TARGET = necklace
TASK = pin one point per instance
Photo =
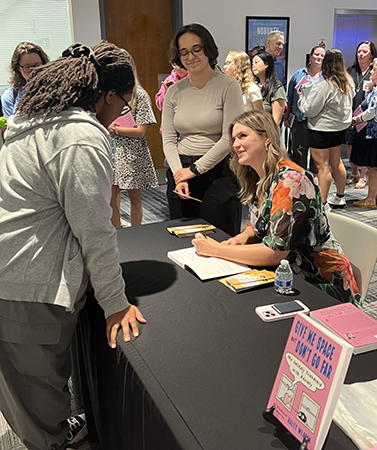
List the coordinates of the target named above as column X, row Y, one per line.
column 362, row 79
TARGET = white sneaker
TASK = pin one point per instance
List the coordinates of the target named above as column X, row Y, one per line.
column 124, row 223
column 337, row 202
column 78, row 429
column 327, row 208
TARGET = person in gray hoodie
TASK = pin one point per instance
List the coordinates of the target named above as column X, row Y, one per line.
column 56, row 233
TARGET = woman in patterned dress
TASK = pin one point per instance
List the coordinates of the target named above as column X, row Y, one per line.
column 132, row 161
column 287, row 218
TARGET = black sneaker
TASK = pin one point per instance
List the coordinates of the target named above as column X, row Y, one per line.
column 78, row 429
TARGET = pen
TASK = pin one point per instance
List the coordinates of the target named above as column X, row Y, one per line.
column 204, row 233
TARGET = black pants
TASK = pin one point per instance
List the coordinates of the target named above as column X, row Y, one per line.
column 219, row 191
column 300, row 146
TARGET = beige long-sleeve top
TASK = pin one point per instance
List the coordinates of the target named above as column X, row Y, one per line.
column 195, row 120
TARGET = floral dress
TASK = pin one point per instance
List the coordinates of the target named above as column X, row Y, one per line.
column 292, row 218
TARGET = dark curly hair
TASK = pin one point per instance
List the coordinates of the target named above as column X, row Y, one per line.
column 75, row 80
column 16, row 79
column 209, row 46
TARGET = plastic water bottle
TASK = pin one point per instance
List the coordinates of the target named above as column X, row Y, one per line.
column 284, row 278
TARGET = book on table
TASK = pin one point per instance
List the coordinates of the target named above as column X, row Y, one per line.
column 248, row 280
column 191, row 230
column 307, row 387
column 351, row 324
column 205, row 267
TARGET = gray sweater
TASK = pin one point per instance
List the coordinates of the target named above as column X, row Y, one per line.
column 326, row 108
column 55, row 228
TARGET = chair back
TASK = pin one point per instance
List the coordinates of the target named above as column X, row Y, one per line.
column 359, row 243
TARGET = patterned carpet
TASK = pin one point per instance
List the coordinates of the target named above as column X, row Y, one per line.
column 156, row 210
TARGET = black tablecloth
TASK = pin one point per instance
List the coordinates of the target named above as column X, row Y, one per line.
column 200, row 374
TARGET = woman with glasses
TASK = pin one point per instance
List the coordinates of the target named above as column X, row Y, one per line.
column 132, row 161
column 237, row 65
column 195, row 117
column 26, row 57
column 55, row 189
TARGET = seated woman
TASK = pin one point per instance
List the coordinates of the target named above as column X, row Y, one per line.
column 287, row 218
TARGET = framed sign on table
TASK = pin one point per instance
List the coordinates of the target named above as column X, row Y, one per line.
column 257, row 29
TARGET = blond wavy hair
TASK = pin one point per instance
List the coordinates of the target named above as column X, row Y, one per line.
column 132, row 102
column 243, row 72
column 262, row 123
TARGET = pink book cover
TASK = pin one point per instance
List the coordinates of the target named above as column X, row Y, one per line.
column 357, row 112
column 126, row 121
column 308, row 383
column 351, row 324
column 303, row 80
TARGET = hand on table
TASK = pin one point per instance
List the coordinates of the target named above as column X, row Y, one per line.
column 204, row 245
column 182, row 175
column 125, row 318
column 240, row 239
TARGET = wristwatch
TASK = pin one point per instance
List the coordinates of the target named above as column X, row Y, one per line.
column 194, row 169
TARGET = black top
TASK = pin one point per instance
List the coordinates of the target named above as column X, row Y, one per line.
column 358, row 79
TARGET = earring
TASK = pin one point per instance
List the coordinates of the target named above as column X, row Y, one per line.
column 266, row 147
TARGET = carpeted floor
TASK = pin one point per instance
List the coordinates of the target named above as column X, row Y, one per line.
column 156, row 210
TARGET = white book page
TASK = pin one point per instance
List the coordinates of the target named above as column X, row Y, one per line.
column 205, row 267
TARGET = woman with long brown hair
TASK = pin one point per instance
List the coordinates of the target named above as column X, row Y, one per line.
column 328, row 107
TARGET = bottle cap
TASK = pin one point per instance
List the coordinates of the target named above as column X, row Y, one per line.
column 284, row 262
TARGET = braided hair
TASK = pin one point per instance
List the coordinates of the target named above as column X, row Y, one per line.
column 78, row 78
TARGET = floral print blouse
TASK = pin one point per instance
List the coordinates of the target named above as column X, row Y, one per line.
column 292, row 218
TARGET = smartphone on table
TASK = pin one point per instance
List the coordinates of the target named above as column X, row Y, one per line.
column 280, row 311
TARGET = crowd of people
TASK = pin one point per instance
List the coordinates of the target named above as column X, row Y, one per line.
column 75, row 138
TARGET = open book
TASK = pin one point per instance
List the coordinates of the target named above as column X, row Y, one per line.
column 205, row 267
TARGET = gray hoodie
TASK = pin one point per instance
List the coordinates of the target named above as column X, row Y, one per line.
column 55, row 228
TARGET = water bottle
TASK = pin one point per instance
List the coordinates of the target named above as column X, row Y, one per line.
column 283, row 278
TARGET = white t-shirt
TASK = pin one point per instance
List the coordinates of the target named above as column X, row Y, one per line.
column 252, row 95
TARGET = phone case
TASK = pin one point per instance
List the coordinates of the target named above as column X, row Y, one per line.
column 268, row 314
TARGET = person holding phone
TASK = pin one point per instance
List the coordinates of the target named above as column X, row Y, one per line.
column 287, row 218
column 195, row 119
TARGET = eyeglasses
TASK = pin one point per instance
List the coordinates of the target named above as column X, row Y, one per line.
column 28, row 68
column 127, row 108
column 197, row 50
column 228, row 63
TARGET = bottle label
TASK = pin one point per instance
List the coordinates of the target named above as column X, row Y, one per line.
column 283, row 284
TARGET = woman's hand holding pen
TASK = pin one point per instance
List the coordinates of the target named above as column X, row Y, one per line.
column 204, row 245
column 182, row 189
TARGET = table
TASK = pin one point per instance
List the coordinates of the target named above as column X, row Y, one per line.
column 200, row 374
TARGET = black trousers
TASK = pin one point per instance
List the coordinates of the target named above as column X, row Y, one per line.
column 219, row 191
column 300, row 146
